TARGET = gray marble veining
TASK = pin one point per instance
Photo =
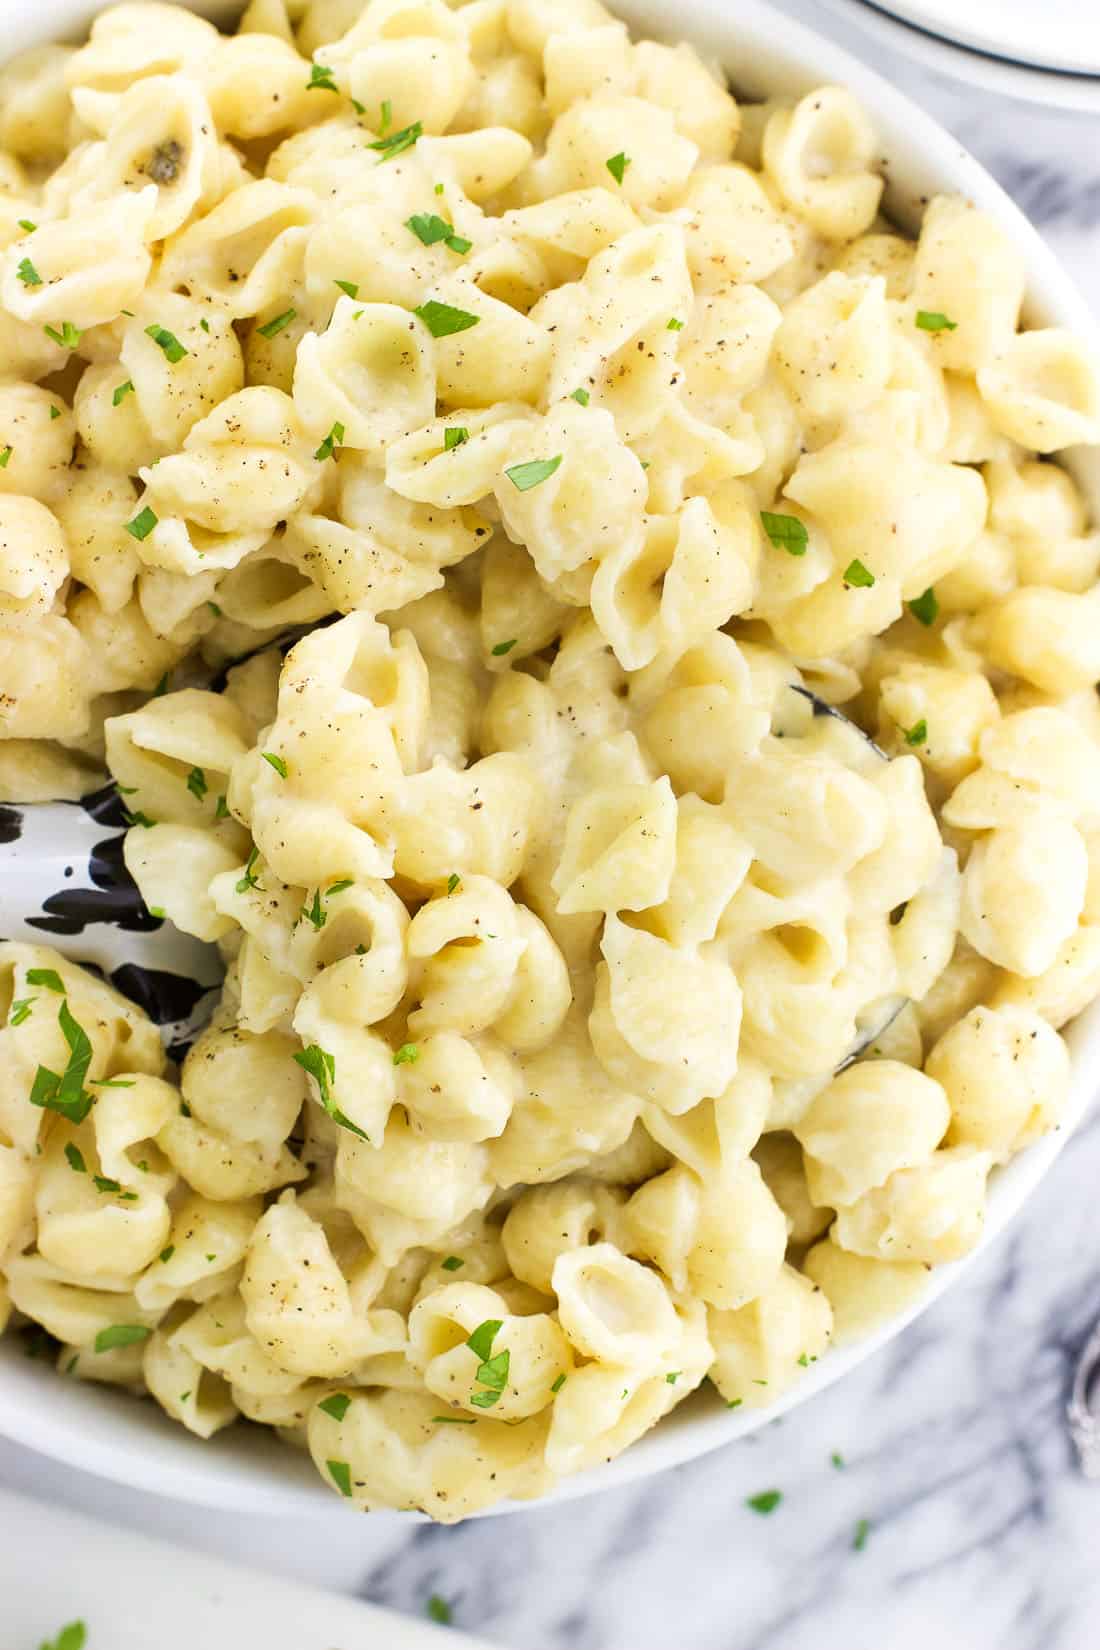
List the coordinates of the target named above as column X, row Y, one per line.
column 983, row 1534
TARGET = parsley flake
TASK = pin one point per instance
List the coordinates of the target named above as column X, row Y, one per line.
column 581, row 396
column 65, row 1092
column 68, row 337
column 675, row 325
column 860, row 577
column 397, row 142
column 439, row 1610
column 166, row 1254
column 456, row 436
column 617, row 166
column 21, row 1010
column 167, row 341
column 452, row 1263
column 925, row 608
column 407, row 1055
column 559, row 1383
column 786, row 532
column 931, row 320
column 336, row 1405
column 673, row 1376
column 533, row 473
column 862, row 1531
column 766, row 1502
column 385, row 117
column 221, row 810
column 72, row 1637
column 276, row 325
column 453, row 881
column 121, row 392
column 75, row 1158
column 142, row 524
column 321, row 1066
column 350, row 287
column 25, row 223
column 503, row 647
column 340, row 1473
column 320, row 79
column 250, row 879
column 455, row 1420
column 28, row 274
column 121, row 1334
column 481, row 1340
column 837, row 1460
column 275, row 761
column 196, row 784
column 49, row 977
column 332, row 441
column 5, row 456
column 315, row 912
column 339, row 887
column 917, row 734
column 55, row 412
column 442, row 320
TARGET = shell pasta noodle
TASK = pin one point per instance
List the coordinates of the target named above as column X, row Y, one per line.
column 534, row 445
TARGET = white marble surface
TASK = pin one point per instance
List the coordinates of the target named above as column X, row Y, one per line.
column 983, row 1535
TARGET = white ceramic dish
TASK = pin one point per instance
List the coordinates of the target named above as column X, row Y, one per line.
column 959, row 53
column 103, row 1432
column 1059, row 34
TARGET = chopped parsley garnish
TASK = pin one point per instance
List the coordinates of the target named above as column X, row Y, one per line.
column 65, row 1092
column 453, row 881
column 837, row 1460
column 142, row 524
column 28, row 274
column 250, row 879
column 341, row 1476
column 221, row 810
column 215, row 609
column 439, row 1610
column 21, row 1010
column 735, row 1403
column 336, row 1405
column 166, row 1254
column 430, row 228
column 328, row 447
column 121, row 1334
column 68, row 337
column 617, row 166
column 315, row 912
column 113, row 1082
column 407, row 1055
column 71, row 1637
column 673, row 1376
column 320, row 79
column 559, row 1383
column 275, row 761
column 917, row 734
column 452, row 1263
column 5, row 456
column 75, row 1158
column 322, row 1068
column 862, row 1531
column 494, row 1371
column 196, row 784
column 161, row 687
column 581, row 396
column 204, row 324
column 55, row 412
column 926, row 608
column 454, row 437
column 25, row 223
column 276, row 325
column 455, row 1420
column 104, row 1183
column 503, row 647
column 766, row 1502
column 385, row 117
column 931, row 320
column 49, row 977
column 533, row 473
column 350, row 287
column 675, row 325
column 167, row 341
column 339, row 887
column 397, row 142
column 138, row 818
column 786, row 532
column 481, row 1340
column 858, row 576
column 442, row 320
column 121, row 392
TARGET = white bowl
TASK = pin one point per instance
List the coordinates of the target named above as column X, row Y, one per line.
column 104, row 1432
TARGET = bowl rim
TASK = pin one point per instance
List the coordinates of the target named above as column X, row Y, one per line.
column 764, row 53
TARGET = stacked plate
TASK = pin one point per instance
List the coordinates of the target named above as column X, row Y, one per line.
column 1048, row 53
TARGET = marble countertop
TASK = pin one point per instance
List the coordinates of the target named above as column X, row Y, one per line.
column 982, row 1533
